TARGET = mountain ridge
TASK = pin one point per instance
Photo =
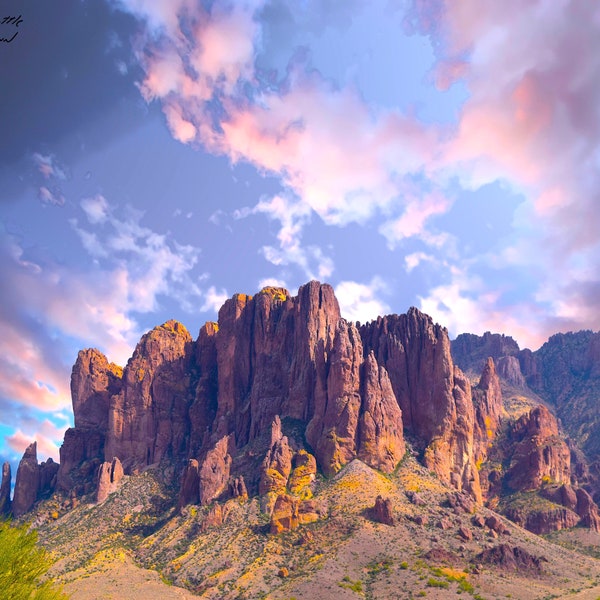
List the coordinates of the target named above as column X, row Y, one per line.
column 282, row 394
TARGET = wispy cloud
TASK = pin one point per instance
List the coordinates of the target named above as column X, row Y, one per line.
column 50, row 310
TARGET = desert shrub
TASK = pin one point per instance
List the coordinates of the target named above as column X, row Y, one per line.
column 23, row 565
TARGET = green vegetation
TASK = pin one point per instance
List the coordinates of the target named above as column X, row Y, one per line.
column 23, row 565
column 355, row 586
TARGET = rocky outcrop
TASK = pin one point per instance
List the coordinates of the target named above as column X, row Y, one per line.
column 344, row 391
column 289, row 513
column 539, row 455
column 382, row 511
column 471, row 352
column 487, row 399
column 81, row 454
column 380, row 438
column 512, row 558
column 93, row 382
column 189, row 489
column 109, row 477
column 434, row 396
column 5, row 490
column 27, row 483
column 277, row 464
column 587, row 510
column 303, row 475
column 543, row 520
column 214, row 471
column 148, row 417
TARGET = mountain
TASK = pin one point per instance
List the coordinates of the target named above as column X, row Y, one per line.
column 283, row 424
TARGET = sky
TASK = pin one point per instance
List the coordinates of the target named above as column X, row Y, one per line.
column 158, row 156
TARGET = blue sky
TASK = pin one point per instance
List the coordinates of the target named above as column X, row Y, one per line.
column 160, row 155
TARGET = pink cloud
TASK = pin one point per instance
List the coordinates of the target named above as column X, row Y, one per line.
column 47, row 447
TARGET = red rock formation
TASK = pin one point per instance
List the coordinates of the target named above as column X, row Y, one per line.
column 303, row 475
column 237, row 489
column 332, row 430
column 5, row 490
column 289, row 513
column 540, row 455
column 27, row 483
column 435, row 397
column 109, row 477
column 285, row 514
column 81, row 453
column 148, row 418
column 512, row 558
column 587, row 510
column 544, row 520
column 214, row 471
column 487, row 398
column 382, row 511
column 270, row 357
column 189, row 490
column 93, row 381
column 277, row 464
column 380, row 437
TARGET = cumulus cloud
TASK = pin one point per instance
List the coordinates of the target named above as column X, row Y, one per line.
column 362, row 302
column 532, row 120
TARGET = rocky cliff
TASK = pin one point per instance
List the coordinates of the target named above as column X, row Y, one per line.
column 282, row 388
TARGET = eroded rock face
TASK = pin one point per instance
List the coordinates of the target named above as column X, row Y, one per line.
column 380, row 438
column 487, row 399
column 189, row 490
column 93, row 381
column 148, row 418
column 351, row 392
column 214, row 471
column 512, row 558
column 5, row 503
column 433, row 394
column 540, row 455
column 277, row 464
column 27, row 483
column 109, row 477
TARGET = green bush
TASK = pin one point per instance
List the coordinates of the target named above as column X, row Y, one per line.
column 23, row 564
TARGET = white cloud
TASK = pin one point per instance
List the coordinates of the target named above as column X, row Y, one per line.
column 362, row 302
column 96, row 209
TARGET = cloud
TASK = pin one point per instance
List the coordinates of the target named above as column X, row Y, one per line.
column 45, row 433
column 213, row 299
column 413, row 260
column 362, row 302
column 96, row 209
column 48, row 166
column 49, row 311
column 145, row 265
column 530, row 120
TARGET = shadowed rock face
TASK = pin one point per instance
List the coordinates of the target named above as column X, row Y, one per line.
column 27, row 483
column 540, row 455
column 5, row 503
